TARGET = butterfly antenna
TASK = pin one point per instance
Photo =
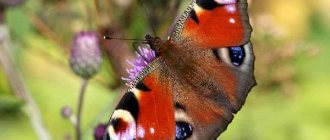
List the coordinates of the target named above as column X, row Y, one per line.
column 148, row 17
column 135, row 43
column 110, row 38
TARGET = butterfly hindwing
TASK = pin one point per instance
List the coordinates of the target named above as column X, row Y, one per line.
column 208, row 90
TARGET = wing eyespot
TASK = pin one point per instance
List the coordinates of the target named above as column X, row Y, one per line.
column 236, row 55
column 183, row 130
column 240, row 57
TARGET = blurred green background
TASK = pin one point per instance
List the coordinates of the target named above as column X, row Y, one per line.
column 291, row 101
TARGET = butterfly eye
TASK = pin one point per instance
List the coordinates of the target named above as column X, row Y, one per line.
column 237, row 55
column 183, row 130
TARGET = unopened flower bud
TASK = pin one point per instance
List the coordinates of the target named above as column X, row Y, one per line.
column 66, row 112
column 100, row 131
column 85, row 59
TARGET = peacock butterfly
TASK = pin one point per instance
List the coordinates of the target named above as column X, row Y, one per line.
column 199, row 79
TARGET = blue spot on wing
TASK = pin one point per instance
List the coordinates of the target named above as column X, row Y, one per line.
column 237, row 55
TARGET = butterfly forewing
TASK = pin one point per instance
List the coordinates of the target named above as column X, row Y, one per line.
column 215, row 23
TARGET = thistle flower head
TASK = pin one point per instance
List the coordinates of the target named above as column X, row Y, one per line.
column 85, row 58
column 144, row 56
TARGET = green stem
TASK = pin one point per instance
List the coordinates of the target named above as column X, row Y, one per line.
column 80, row 105
column 17, row 84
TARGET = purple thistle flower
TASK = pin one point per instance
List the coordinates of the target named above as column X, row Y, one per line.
column 86, row 56
column 99, row 131
column 144, row 56
column 10, row 2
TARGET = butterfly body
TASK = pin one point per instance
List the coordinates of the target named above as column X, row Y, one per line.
column 197, row 82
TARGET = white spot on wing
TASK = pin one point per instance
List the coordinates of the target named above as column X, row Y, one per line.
column 140, row 132
column 225, row 1
column 152, row 130
column 197, row 9
column 232, row 20
column 136, row 92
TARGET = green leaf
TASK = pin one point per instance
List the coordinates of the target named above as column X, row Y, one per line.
column 9, row 104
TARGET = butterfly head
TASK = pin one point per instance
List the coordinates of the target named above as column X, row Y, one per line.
column 157, row 44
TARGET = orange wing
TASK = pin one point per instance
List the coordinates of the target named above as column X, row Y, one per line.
column 156, row 114
column 215, row 23
column 145, row 112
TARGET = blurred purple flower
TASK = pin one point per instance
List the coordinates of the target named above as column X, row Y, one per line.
column 100, row 131
column 10, row 2
column 66, row 112
column 85, row 59
column 144, row 56
column 6, row 4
